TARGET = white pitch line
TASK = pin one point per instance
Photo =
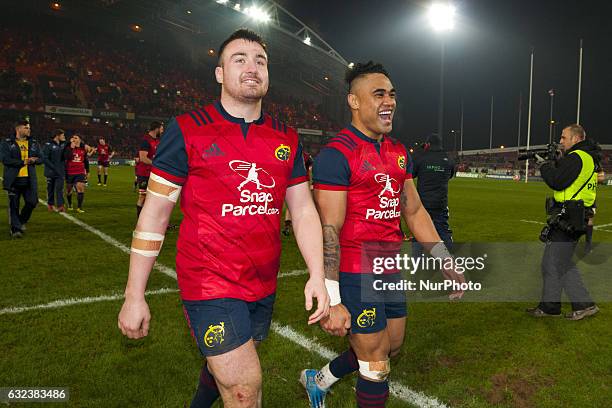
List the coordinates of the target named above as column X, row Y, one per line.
column 397, row 390
column 162, row 268
column 534, row 222
column 596, row 227
column 601, row 226
column 78, row 301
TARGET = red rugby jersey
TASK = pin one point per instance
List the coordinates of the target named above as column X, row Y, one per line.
column 234, row 177
column 103, row 152
column 149, row 145
column 75, row 160
column 373, row 174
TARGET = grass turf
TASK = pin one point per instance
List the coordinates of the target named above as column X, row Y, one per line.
column 464, row 354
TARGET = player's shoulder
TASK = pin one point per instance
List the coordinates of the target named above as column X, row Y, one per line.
column 343, row 142
column 198, row 117
column 278, row 125
column 394, row 142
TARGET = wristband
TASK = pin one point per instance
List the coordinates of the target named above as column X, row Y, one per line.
column 333, row 289
column 440, row 251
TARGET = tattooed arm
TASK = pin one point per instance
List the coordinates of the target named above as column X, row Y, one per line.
column 332, row 210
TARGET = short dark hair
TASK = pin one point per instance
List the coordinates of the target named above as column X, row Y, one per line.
column 360, row 69
column 577, row 130
column 155, row 125
column 242, row 34
column 57, row 132
column 22, row 121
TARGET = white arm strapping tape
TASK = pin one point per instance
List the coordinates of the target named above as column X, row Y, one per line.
column 440, row 251
column 333, row 289
column 147, row 243
column 166, row 189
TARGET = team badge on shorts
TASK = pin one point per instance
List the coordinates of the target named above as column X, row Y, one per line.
column 401, row 162
column 214, row 335
column 367, row 318
column 282, row 152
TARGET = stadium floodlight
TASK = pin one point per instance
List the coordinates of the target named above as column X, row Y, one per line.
column 442, row 16
column 257, row 14
column 237, row 6
column 351, row 65
column 221, row 1
column 307, row 40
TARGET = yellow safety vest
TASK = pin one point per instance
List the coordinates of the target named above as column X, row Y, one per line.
column 587, row 175
column 23, row 147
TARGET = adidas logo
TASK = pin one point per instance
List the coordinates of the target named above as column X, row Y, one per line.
column 213, row 151
column 366, row 166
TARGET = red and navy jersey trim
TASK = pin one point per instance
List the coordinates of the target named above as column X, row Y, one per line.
column 201, row 117
column 343, row 139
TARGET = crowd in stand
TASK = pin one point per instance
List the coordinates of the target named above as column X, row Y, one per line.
column 85, row 69
column 507, row 163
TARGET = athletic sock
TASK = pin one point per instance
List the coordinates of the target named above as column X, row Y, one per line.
column 207, row 392
column 138, row 210
column 99, row 181
column 69, row 199
column 80, row 200
column 589, row 234
column 105, row 178
column 342, row 365
column 371, row 394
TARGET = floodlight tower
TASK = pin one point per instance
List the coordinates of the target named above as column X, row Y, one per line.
column 442, row 19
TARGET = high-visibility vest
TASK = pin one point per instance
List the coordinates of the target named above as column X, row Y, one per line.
column 587, row 175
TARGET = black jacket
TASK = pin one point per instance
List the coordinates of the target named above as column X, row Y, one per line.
column 11, row 159
column 560, row 174
column 433, row 168
column 53, row 158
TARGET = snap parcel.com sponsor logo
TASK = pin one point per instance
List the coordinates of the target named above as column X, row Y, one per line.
column 254, row 199
column 389, row 200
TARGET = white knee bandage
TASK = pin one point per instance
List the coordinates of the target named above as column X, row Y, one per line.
column 160, row 187
column 147, row 243
column 375, row 370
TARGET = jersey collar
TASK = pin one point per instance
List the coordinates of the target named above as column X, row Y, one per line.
column 362, row 136
column 233, row 119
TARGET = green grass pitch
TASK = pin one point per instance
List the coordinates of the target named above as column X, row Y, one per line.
column 463, row 354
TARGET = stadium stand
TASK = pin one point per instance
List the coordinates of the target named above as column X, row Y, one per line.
column 71, row 66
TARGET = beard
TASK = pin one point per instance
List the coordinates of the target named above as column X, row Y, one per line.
column 247, row 94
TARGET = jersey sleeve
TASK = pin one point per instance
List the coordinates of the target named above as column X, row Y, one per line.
column 170, row 160
column 298, row 173
column 144, row 146
column 331, row 170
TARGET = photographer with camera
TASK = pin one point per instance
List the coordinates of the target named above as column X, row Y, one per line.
column 573, row 177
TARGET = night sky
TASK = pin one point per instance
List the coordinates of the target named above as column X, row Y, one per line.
column 487, row 55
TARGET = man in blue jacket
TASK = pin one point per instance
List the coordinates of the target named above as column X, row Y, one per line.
column 55, row 170
column 20, row 155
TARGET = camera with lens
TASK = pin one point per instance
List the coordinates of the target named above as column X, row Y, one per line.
column 569, row 217
column 550, row 152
